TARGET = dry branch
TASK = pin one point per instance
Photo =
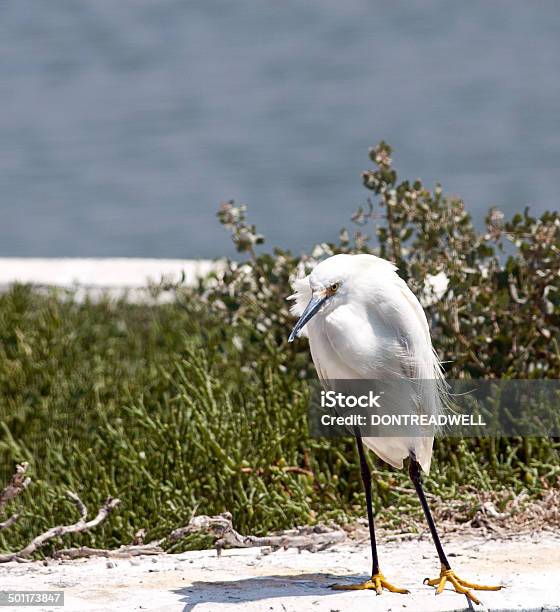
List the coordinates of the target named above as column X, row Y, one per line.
column 10, row 521
column 313, row 538
column 17, row 484
column 289, row 469
column 79, row 526
column 130, row 550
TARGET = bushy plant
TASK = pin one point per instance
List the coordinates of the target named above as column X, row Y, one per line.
column 498, row 314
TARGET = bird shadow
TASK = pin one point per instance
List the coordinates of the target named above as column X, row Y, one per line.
column 259, row 588
column 253, row 589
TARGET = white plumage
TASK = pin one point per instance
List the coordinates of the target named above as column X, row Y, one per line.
column 367, row 324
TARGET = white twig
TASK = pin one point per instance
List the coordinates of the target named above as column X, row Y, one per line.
column 17, row 484
column 131, row 550
column 313, row 538
column 54, row 532
column 10, row 521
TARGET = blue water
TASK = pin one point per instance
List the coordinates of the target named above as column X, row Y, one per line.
column 123, row 123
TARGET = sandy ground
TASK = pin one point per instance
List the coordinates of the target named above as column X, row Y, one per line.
column 286, row 581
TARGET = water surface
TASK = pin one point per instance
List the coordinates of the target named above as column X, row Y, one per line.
column 124, row 123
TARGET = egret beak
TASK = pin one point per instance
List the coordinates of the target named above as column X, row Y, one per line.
column 311, row 309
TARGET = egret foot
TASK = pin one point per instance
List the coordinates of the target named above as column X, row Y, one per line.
column 376, row 583
column 460, row 585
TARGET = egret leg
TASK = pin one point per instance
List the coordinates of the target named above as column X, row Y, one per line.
column 377, row 582
column 446, row 573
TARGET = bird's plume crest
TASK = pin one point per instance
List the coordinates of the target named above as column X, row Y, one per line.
column 301, row 296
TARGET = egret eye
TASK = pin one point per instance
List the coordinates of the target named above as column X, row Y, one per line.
column 334, row 287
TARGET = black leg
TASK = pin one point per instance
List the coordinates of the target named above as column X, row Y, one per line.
column 446, row 573
column 366, row 479
column 377, row 581
column 415, row 475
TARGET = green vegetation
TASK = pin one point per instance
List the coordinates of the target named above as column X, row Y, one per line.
column 202, row 404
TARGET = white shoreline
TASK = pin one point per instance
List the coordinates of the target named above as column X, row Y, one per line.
column 109, row 273
column 130, row 276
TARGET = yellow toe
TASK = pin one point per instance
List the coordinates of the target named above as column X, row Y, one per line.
column 376, row 583
column 460, row 585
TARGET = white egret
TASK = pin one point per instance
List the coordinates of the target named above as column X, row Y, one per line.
column 364, row 323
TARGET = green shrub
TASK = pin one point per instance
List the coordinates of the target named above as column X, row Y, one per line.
column 202, row 404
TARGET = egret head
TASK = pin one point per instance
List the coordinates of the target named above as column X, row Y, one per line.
column 333, row 282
